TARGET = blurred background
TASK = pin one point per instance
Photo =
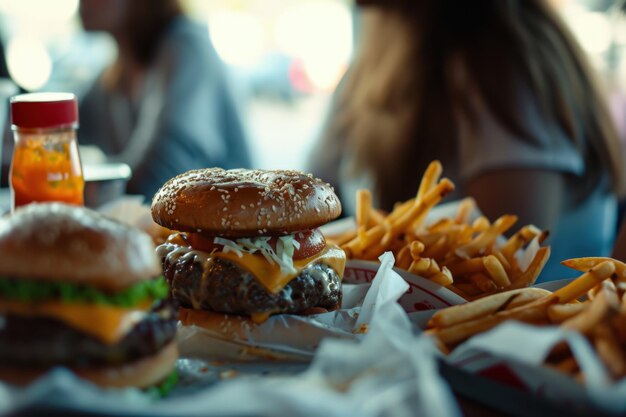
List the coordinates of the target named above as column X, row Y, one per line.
column 285, row 56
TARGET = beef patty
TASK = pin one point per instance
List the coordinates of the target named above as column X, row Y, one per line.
column 43, row 341
column 222, row 286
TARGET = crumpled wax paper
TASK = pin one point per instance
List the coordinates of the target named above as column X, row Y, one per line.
column 525, row 347
column 386, row 371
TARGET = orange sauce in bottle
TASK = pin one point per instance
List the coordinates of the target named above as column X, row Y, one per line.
column 45, row 169
column 46, row 164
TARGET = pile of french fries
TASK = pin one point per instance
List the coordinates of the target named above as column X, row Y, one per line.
column 601, row 316
column 472, row 258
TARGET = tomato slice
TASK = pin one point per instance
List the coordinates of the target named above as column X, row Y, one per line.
column 311, row 242
column 203, row 243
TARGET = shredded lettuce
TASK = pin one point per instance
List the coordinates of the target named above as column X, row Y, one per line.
column 32, row 291
column 282, row 256
column 229, row 246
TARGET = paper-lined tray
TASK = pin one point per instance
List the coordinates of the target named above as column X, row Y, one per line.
column 281, row 338
column 512, row 355
column 506, row 369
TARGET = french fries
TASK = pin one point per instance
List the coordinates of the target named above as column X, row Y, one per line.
column 585, row 264
column 602, row 320
column 585, row 282
column 470, row 256
column 487, row 305
column 558, row 313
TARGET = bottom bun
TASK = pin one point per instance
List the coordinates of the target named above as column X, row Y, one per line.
column 245, row 340
column 143, row 373
column 229, row 326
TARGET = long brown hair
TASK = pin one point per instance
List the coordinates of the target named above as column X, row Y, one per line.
column 400, row 102
column 146, row 23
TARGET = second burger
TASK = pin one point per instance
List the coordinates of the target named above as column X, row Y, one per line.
column 249, row 243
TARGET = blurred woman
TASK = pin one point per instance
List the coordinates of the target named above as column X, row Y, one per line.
column 502, row 94
column 164, row 105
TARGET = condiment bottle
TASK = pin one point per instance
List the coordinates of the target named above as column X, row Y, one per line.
column 46, row 164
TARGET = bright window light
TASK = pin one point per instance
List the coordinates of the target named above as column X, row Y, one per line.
column 28, row 62
column 320, row 35
column 40, row 9
column 592, row 29
column 238, row 37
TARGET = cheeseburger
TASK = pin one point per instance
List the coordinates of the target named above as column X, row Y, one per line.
column 248, row 243
column 80, row 291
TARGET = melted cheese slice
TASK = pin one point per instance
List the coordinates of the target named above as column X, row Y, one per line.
column 259, row 318
column 270, row 275
column 108, row 324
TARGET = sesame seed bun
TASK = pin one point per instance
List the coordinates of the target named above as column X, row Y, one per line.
column 63, row 243
column 143, row 373
column 240, row 202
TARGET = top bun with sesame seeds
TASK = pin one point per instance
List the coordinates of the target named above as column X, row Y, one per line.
column 244, row 203
column 60, row 242
column 248, row 243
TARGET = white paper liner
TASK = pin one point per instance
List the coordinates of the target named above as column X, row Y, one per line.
column 422, row 294
column 388, row 371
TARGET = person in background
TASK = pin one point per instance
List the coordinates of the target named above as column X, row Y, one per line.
column 619, row 250
column 164, row 106
column 500, row 93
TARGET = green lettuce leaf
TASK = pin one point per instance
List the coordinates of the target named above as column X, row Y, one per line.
column 32, row 291
column 164, row 387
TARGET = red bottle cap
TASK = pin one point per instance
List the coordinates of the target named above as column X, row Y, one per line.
column 44, row 110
